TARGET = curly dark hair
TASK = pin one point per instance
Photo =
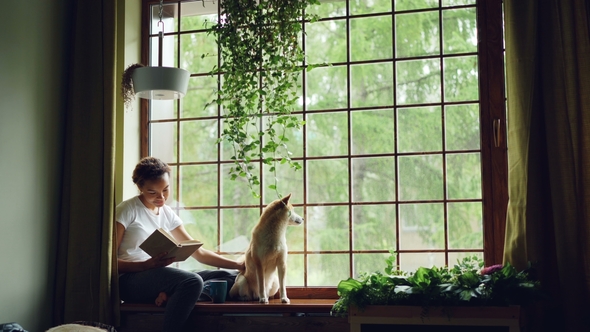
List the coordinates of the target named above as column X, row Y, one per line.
column 149, row 168
column 127, row 84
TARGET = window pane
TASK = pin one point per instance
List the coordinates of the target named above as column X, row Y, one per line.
column 328, row 9
column 368, row 263
column 448, row 3
column 417, row 34
column 418, row 82
column 327, row 269
column 198, row 185
column 420, row 129
column 236, row 227
column 464, row 175
column 172, row 199
column 461, row 78
column 462, row 127
column 201, row 225
column 325, row 42
column 326, row 88
column 372, row 132
column 327, row 181
column 169, row 12
column 327, row 228
column 295, row 265
column 163, row 109
column 200, row 93
column 163, row 141
column 415, row 4
column 236, row 192
column 294, row 136
column 198, row 15
column 169, row 51
column 327, row 134
column 374, row 227
column 288, row 181
column 422, row 226
column 465, row 226
column 373, row 179
column 296, row 234
column 199, row 52
column 412, row 261
column 371, row 84
column 227, row 150
column 197, row 140
column 459, row 31
column 420, row 177
column 369, row 6
column 372, row 37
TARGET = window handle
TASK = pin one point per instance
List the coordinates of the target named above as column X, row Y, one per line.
column 497, row 129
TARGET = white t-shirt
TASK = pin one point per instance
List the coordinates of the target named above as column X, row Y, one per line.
column 139, row 223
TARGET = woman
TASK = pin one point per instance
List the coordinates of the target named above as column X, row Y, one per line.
column 143, row 278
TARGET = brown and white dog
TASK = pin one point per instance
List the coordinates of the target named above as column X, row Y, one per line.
column 267, row 255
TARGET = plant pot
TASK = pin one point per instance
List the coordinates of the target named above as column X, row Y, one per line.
column 373, row 317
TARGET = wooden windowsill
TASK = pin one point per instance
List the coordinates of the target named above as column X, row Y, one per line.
column 275, row 306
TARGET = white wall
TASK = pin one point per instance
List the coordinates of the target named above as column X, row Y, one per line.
column 128, row 143
column 31, row 126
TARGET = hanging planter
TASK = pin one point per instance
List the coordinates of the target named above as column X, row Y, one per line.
column 161, row 83
column 261, row 61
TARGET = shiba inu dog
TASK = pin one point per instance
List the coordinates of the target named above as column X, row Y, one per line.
column 267, row 255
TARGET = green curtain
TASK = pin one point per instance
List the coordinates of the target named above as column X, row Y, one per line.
column 548, row 91
column 85, row 285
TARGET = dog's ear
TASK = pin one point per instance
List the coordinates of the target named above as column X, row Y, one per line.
column 286, row 199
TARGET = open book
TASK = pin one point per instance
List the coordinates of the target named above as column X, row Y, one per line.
column 161, row 241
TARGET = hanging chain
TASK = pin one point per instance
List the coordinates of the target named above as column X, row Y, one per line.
column 160, row 34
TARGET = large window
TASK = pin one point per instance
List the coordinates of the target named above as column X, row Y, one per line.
column 401, row 150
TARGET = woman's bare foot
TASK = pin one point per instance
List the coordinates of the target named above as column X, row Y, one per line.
column 161, row 299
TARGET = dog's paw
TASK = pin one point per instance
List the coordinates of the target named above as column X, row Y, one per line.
column 264, row 300
column 285, row 300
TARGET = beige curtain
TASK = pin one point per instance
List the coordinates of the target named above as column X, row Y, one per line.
column 548, row 90
column 85, row 287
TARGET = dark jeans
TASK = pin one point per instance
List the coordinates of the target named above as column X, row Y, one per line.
column 183, row 289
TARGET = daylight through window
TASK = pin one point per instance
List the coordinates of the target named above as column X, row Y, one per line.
column 391, row 150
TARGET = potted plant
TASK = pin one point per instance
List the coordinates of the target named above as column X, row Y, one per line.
column 439, row 290
column 127, row 84
column 261, row 61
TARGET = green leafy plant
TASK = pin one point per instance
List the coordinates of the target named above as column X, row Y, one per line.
column 261, row 60
column 465, row 284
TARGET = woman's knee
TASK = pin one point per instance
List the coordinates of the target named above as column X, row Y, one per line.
column 191, row 284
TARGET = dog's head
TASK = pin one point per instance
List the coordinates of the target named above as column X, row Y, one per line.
column 294, row 218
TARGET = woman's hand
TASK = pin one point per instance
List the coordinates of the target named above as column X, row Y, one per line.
column 158, row 261
column 241, row 266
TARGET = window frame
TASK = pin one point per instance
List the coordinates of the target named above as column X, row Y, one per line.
column 492, row 122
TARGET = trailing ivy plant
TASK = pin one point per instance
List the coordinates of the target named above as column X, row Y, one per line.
column 127, row 91
column 261, row 61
